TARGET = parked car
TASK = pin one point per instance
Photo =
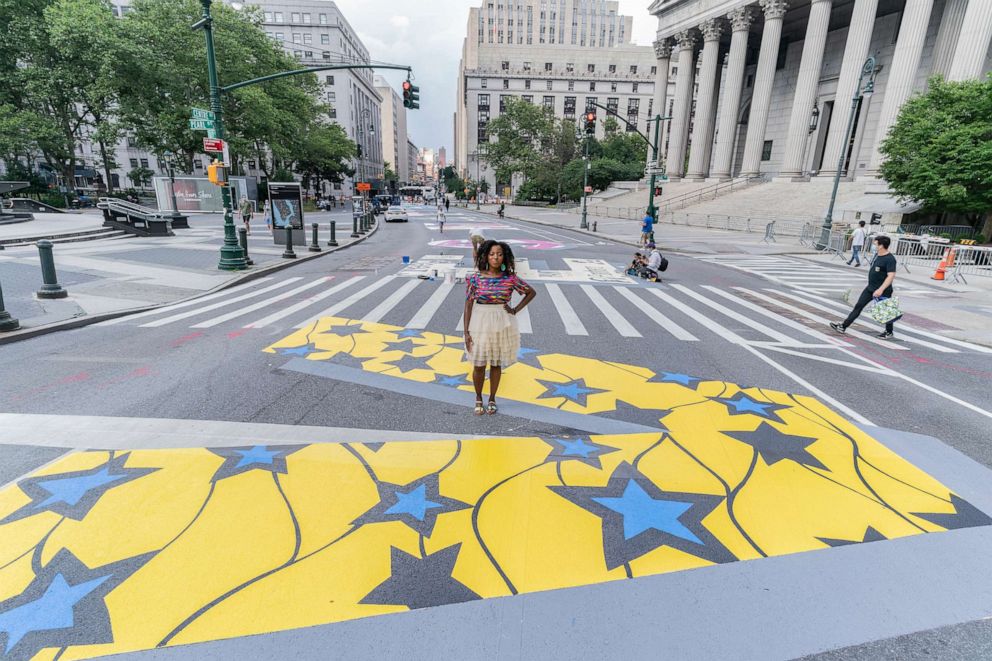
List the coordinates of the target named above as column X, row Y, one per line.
column 397, row 214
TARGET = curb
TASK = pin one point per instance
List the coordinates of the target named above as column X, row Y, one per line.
column 248, row 276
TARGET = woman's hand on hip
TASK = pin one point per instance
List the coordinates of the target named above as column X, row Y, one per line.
column 506, row 306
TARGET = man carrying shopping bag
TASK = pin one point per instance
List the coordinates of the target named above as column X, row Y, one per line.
column 881, row 274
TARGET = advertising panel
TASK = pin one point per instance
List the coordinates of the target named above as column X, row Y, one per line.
column 197, row 194
column 286, row 202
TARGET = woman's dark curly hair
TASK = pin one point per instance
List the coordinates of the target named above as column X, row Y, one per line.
column 482, row 257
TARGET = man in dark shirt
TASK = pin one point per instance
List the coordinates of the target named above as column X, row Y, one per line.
column 881, row 273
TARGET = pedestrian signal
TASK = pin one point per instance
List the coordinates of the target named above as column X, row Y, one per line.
column 217, row 173
column 411, row 95
column 590, row 123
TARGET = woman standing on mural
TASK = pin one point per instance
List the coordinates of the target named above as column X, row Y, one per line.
column 491, row 334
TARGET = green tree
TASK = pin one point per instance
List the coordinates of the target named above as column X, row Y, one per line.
column 939, row 151
column 519, row 139
column 140, row 177
column 324, row 155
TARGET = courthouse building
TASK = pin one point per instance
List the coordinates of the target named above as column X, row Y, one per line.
column 765, row 87
column 562, row 54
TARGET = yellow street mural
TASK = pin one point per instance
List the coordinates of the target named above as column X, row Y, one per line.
column 106, row 552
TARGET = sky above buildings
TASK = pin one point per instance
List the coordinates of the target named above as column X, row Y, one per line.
column 428, row 36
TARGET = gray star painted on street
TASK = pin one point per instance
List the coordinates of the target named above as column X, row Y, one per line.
column 633, row 512
column 347, row 360
column 239, row 460
column 965, row 515
column 408, row 363
column 871, row 535
column 574, row 391
column 742, row 404
column 773, row 446
column 346, row 330
column 577, row 448
column 62, row 606
column 635, row 414
column 75, row 493
column 421, row 582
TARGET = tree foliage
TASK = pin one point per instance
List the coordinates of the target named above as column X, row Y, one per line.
column 939, row 151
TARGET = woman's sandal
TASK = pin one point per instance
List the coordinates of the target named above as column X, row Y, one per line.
column 479, row 409
column 492, row 409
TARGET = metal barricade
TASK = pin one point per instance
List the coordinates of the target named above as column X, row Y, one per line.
column 920, row 251
column 971, row 260
column 837, row 243
column 769, row 233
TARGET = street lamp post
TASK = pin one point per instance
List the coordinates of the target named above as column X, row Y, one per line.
column 585, row 185
column 232, row 257
column 652, row 209
column 478, row 177
column 868, row 69
column 172, row 182
column 366, row 120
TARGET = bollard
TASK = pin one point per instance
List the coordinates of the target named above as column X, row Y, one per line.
column 595, row 224
column 7, row 322
column 354, row 226
column 50, row 287
column 334, row 228
column 314, row 245
column 243, row 240
column 288, row 252
column 361, row 224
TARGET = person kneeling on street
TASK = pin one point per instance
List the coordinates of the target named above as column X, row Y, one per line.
column 655, row 264
column 636, row 264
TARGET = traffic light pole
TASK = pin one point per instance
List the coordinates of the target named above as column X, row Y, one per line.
column 653, row 210
column 585, row 184
column 232, row 257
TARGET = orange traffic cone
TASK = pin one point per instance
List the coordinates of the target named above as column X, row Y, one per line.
column 942, row 267
column 950, row 258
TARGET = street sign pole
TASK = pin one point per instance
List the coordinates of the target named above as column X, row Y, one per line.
column 232, row 256
column 585, row 184
column 652, row 210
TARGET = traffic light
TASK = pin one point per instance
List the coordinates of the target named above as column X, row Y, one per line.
column 217, row 173
column 411, row 95
column 590, row 122
column 359, row 146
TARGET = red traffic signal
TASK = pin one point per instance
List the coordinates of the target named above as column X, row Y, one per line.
column 590, row 118
column 406, row 85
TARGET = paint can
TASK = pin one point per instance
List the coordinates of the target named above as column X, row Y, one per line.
column 406, row 259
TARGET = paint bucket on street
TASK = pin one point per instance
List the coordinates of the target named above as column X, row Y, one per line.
column 449, row 276
column 406, row 259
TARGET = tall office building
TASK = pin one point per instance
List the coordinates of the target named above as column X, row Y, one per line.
column 562, row 54
column 394, row 132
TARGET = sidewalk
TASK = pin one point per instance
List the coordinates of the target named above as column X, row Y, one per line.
column 678, row 238
column 106, row 277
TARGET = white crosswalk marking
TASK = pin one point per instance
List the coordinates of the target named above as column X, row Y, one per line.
column 747, row 321
column 316, row 298
column 210, row 323
column 185, row 304
column 768, row 313
column 523, row 321
column 656, row 316
column 573, row 325
column 341, row 305
column 623, row 326
column 427, row 311
column 672, row 302
column 381, row 310
column 214, row 306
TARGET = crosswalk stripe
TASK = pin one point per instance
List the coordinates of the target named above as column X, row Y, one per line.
column 210, row 323
column 701, row 319
column 815, row 317
column 185, row 304
column 923, row 333
column 461, row 324
column 747, row 321
column 281, row 314
column 381, row 310
column 573, row 325
column 620, row 323
column 341, row 305
column 523, row 321
column 822, row 337
column 214, row 306
column 427, row 311
column 656, row 316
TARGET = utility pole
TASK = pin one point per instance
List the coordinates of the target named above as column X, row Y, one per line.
column 652, row 209
column 585, row 184
column 232, row 256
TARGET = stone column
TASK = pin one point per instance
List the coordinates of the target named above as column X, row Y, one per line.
column 976, row 32
column 855, row 54
column 663, row 53
column 947, row 36
column 905, row 64
column 702, row 132
column 763, row 80
column 675, row 162
column 730, row 102
column 806, row 85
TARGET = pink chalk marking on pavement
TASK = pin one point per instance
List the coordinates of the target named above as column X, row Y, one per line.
column 526, row 244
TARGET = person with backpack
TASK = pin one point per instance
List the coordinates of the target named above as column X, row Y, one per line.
column 656, row 264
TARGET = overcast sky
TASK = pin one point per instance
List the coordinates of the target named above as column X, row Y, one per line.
column 428, row 37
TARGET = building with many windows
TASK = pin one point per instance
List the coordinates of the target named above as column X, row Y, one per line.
column 562, row 54
column 412, row 159
column 394, row 131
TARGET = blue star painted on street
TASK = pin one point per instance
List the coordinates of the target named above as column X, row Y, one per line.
column 52, row 611
column 271, row 458
column 417, row 504
column 528, row 356
column 62, row 606
column 676, row 377
column 741, row 404
column 74, row 494
column 305, row 350
column 414, row 503
column 576, row 448
column 641, row 512
column 573, row 391
column 582, row 449
column 638, row 517
column 452, row 381
column 410, row 332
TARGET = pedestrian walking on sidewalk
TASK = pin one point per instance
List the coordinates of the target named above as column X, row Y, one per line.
column 267, row 215
column 647, row 229
column 440, row 217
column 492, row 336
column 246, row 213
column 881, row 274
column 858, row 244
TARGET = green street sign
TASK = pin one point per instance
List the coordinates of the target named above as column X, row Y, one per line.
column 211, row 133
column 201, row 124
column 199, row 113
